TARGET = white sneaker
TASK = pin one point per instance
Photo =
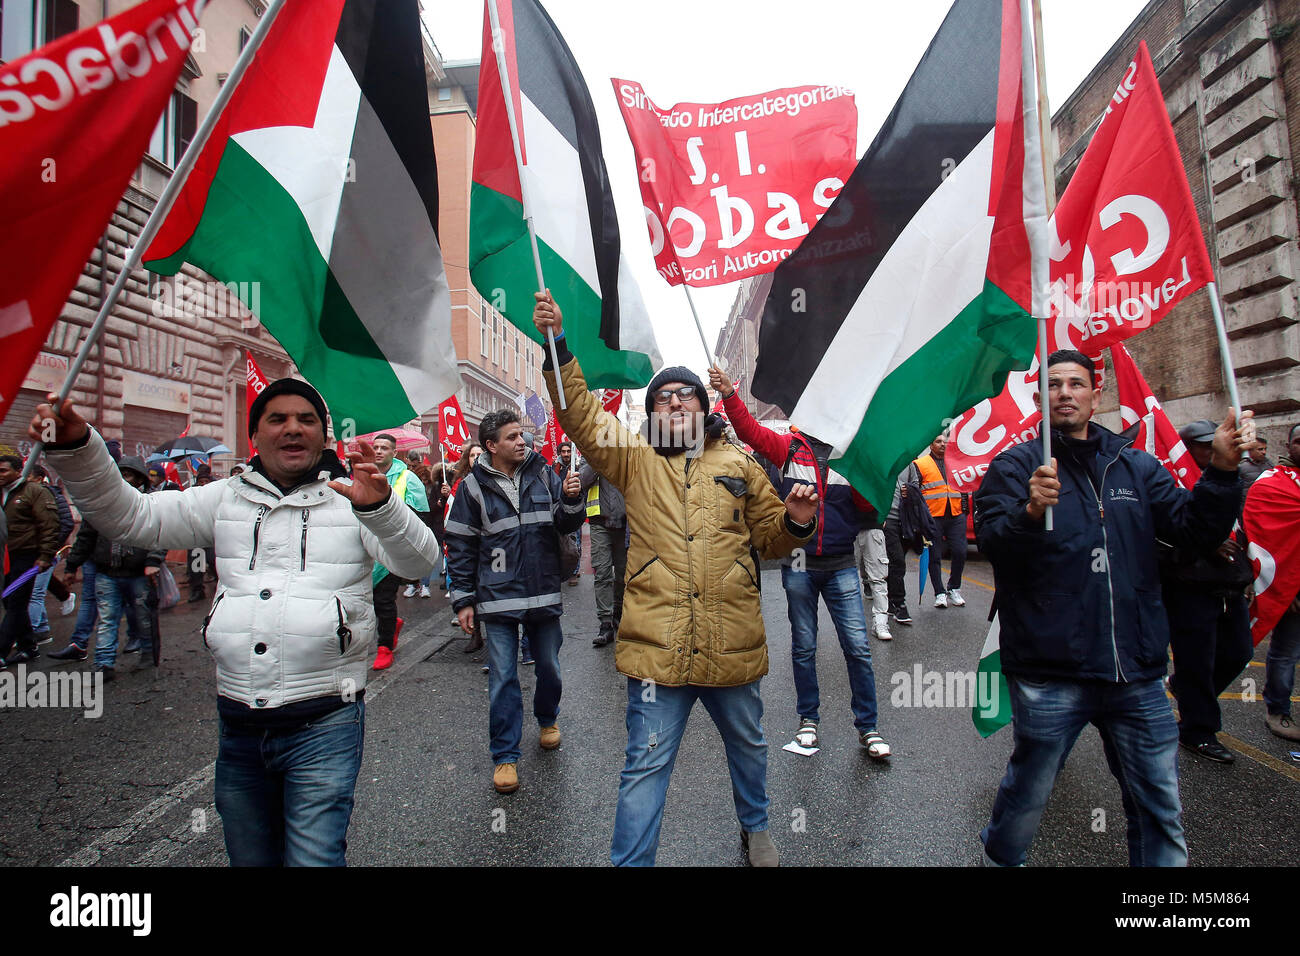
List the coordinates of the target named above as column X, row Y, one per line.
column 410, row 591
column 955, row 597
column 941, row 600
column 881, row 627
column 70, row 605
column 424, row 591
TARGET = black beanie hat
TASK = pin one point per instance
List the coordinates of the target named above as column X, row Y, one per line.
column 676, row 373
column 285, row 386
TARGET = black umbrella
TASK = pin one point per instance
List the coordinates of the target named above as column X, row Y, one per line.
column 188, row 445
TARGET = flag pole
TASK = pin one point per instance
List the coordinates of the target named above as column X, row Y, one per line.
column 1049, row 186
column 1229, row 370
column 698, row 327
column 499, row 47
column 161, row 209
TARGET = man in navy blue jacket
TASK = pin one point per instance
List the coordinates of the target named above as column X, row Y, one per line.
column 503, row 554
column 1084, row 634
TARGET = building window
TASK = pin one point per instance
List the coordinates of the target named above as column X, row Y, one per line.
column 171, row 137
column 484, row 331
column 518, row 357
column 27, row 24
column 528, row 374
column 245, row 35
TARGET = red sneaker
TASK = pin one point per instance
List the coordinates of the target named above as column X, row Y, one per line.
column 383, row 659
column 397, row 633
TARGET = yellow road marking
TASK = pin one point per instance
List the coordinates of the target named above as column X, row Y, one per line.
column 1254, row 753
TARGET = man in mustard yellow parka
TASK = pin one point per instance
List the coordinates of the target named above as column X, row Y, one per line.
column 697, row 509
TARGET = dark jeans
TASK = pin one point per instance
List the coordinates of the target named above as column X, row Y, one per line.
column 505, row 699
column 1212, row 645
column 195, row 575
column 385, row 598
column 16, row 628
column 953, row 530
column 896, row 578
column 285, row 798
column 1279, row 666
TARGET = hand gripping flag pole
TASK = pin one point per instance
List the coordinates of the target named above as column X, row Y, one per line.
column 499, row 47
column 161, row 209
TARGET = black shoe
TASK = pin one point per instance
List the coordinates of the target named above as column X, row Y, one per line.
column 605, row 636
column 1210, row 750
column 131, row 647
column 196, row 597
column 22, row 657
column 70, row 653
column 902, row 617
column 108, row 672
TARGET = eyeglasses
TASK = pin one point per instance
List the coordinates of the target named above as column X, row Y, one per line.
column 665, row 395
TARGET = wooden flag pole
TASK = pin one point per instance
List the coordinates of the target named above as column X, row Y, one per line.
column 161, row 209
column 1049, row 186
column 499, row 48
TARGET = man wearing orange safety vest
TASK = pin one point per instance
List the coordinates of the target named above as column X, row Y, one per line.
column 945, row 504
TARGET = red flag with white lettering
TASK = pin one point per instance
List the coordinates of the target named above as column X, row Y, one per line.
column 452, row 433
column 1127, row 248
column 1272, row 522
column 612, row 399
column 1130, row 244
column 1157, row 435
column 730, row 189
column 76, row 115
column 255, row 381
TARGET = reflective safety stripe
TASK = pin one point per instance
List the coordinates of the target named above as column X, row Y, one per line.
column 455, row 527
column 593, row 501
column 457, row 595
column 519, row 604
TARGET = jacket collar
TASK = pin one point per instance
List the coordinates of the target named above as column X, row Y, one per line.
column 1109, row 443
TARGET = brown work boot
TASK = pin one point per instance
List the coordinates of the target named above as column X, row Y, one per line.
column 759, row 848
column 1283, row 726
column 550, row 737
column 505, row 778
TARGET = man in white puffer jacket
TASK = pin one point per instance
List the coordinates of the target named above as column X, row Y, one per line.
column 292, row 627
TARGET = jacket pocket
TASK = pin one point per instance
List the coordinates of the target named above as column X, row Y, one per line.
column 651, row 604
column 212, row 611
column 1044, row 629
column 729, row 496
column 1152, row 628
column 343, row 632
column 738, row 614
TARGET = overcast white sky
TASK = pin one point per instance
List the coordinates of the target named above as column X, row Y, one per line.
column 711, row 50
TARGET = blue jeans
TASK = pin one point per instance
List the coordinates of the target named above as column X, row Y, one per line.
column 113, row 596
column 656, row 717
column 839, row 589
column 36, row 606
column 285, row 798
column 88, row 613
column 1140, row 737
column 505, row 700
column 1279, row 666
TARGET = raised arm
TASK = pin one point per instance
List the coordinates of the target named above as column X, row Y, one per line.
column 772, row 445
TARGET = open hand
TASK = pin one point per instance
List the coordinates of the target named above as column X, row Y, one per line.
column 68, row 423
column 801, row 504
column 369, row 485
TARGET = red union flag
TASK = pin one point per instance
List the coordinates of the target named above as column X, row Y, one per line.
column 730, row 189
column 1130, row 244
column 1272, row 522
column 1127, row 248
column 75, row 118
column 1157, row 435
column 611, row 399
column 255, row 382
column 452, row 433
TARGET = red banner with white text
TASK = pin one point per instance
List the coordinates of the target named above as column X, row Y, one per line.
column 1272, row 522
column 730, row 189
column 1157, row 435
column 452, row 431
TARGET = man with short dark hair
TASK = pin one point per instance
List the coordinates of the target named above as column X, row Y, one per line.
column 1255, row 463
column 410, row 489
column 291, row 628
column 503, row 552
column 32, row 516
column 1084, row 637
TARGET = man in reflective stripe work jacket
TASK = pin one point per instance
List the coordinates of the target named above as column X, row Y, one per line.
column 503, row 552
column 944, row 503
column 1084, row 636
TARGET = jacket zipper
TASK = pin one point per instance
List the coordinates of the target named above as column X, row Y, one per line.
column 1105, row 543
column 643, row 567
column 690, row 569
column 344, row 632
column 302, row 566
column 208, row 620
column 257, row 533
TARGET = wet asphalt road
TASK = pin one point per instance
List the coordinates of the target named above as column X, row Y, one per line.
column 134, row 786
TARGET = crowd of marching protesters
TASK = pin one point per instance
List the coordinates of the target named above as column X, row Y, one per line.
column 309, row 555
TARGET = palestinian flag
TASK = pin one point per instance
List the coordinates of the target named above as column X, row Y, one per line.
column 991, row 710
column 319, row 185
column 605, row 322
column 914, row 296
